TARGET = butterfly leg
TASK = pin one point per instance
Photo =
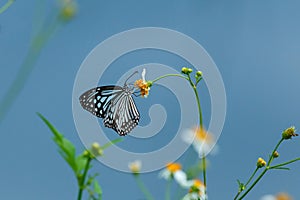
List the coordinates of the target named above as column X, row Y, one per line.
column 136, row 94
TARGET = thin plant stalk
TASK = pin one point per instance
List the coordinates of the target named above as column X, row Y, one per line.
column 249, row 180
column 168, row 190
column 6, row 6
column 201, row 127
column 143, row 188
column 81, row 180
column 188, row 78
column 37, row 44
column 271, row 158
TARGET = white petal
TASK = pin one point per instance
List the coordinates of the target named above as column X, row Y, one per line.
column 188, row 136
column 191, row 196
column 180, row 176
column 205, row 148
column 166, row 174
column 201, row 148
column 181, row 179
column 144, row 75
column 135, row 165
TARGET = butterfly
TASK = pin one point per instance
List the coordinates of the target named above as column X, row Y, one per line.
column 114, row 104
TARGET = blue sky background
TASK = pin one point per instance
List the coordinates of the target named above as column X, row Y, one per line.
column 255, row 45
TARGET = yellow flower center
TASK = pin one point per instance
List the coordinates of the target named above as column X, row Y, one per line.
column 198, row 183
column 143, row 86
column 196, row 187
column 202, row 135
column 135, row 166
column 173, row 167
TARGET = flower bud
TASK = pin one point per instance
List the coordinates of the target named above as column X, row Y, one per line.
column 261, row 163
column 68, row 10
column 96, row 150
column 86, row 153
column 276, row 154
column 289, row 133
column 186, row 70
column 198, row 74
column 135, row 167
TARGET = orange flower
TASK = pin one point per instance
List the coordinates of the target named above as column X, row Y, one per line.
column 173, row 170
column 197, row 190
column 173, row 167
column 143, row 85
column 202, row 141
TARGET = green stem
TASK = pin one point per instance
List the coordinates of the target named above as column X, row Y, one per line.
column 285, row 163
column 204, row 171
column 37, row 44
column 265, row 170
column 188, row 78
column 164, row 76
column 198, row 101
column 237, row 195
column 6, row 6
column 254, row 183
column 143, row 188
column 201, row 127
column 199, row 108
column 82, row 179
column 251, row 177
column 168, row 190
column 275, row 149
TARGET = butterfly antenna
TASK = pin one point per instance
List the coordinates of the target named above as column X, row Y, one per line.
column 130, row 77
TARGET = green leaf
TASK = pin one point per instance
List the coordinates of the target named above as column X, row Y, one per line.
column 51, row 127
column 241, row 185
column 97, row 189
column 91, row 179
column 111, row 143
column 80, row 163
column 66, row 148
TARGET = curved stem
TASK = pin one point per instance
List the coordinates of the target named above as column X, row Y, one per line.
column 198, row 101
column 6, row 6
column 143, row 188
column 82, row 180
column 199, row 108
column 164, row 76
column 37, row 44
column 201, row 127
column 188, row 78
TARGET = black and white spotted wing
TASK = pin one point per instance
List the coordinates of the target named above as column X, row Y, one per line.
column 114, row 104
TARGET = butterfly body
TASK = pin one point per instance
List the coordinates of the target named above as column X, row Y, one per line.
column 114, row 104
